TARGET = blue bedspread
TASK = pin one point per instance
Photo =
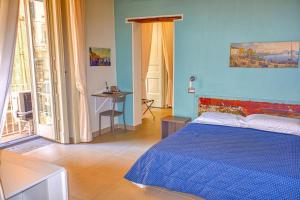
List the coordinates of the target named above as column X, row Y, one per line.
column 219, row 162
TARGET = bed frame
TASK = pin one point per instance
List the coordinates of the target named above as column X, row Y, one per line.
column 248, row 107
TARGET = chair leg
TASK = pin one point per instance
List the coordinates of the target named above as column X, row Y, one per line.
column 111, row 128
column 124, row 123
column 113, row 123
column 30, row 126
column 99, row 124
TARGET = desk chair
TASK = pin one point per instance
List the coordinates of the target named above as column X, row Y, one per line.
column 114, row 113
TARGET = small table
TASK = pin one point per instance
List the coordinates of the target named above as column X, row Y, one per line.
column 114, row 96
column 171, row 124
column 111, row 94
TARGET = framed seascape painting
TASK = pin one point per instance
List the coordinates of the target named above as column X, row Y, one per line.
column 100, row 56
column 265, row 54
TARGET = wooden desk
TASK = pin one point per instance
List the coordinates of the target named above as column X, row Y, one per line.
column 111, row 95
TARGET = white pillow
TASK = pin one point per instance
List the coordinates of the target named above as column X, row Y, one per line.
column 218, row 118
column 274, row 123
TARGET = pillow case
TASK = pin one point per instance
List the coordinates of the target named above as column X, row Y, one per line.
column 274, row 123
column 218, row 118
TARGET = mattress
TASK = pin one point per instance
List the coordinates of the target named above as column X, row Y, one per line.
column 220, row 162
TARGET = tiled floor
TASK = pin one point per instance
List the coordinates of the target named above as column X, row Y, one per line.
column 96, row 170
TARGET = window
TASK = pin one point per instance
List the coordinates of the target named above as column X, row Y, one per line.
column 42, row 60
column 21, row 80
column 31, row 79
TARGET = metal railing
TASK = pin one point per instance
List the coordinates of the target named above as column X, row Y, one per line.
column 13, row 125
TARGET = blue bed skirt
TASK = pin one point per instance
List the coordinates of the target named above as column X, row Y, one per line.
column 219, row 162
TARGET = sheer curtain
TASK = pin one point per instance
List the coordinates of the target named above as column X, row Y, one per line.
column 146, row 31
column 168, row 45
column 9, row 10
column 76, row 34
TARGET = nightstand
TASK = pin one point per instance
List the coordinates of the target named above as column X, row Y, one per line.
column 171, row 124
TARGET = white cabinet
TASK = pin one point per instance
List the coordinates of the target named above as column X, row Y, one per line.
column 28, row 179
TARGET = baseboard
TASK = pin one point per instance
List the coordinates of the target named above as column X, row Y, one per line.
column 71, row 140
column 117, row 126
column 103, row 131
column 107, row 130
column 129, row 127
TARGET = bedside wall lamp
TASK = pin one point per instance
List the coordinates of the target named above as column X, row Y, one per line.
column 190, row 88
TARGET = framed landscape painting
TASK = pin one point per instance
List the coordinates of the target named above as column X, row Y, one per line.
column 100, row 56
column 265, row 54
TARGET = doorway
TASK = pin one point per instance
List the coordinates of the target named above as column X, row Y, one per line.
column 30, row 109
column 153, row 63
column 156, row 76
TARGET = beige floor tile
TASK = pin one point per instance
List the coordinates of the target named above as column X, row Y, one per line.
column 96, row 170
column 74, row 198
column 49, row 153
column 87, row 185
column 83, row 160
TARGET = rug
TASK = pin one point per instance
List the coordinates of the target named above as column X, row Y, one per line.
column 30, row 145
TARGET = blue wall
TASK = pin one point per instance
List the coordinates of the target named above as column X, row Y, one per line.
column 202, row 44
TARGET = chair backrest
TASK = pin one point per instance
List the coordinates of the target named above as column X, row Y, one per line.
column 22, row 105
column 119, row 99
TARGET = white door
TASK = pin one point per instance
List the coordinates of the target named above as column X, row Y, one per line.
column 42, row 75
column 154, row 80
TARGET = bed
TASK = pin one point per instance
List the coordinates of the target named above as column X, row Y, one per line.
column 223, row 162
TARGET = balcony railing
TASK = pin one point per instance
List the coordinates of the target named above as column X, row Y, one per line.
column 14, row 126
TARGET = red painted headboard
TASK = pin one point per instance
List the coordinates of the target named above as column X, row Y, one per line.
column 248, row 107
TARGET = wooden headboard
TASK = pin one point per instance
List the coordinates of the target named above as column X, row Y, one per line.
column 248, row 107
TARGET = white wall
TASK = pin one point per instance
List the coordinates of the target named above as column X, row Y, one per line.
column 100, row 33
column 137, row 73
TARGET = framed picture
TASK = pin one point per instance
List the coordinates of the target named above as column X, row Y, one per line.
column 265, row 54
column 100, row 56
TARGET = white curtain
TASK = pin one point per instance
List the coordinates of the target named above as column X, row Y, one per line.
column 9, row 10
column 146, row 31
column 168, row 45
column 76, row 21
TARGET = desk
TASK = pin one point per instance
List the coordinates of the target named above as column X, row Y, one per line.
column 111, row 95
column 118, row 97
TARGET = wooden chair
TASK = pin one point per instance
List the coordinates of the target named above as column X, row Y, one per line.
column 114, row 113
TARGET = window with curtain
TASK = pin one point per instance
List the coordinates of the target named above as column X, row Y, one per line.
column 21, row 78
column 39, row 68
column 32, row 57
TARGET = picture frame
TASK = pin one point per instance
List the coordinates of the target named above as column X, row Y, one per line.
column 100, row 56
column 265, row 54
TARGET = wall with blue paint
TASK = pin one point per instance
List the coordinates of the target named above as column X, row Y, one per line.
column 202, row 44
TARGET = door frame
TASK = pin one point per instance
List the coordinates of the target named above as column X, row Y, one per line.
column 33, row 75
column 136, row 58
